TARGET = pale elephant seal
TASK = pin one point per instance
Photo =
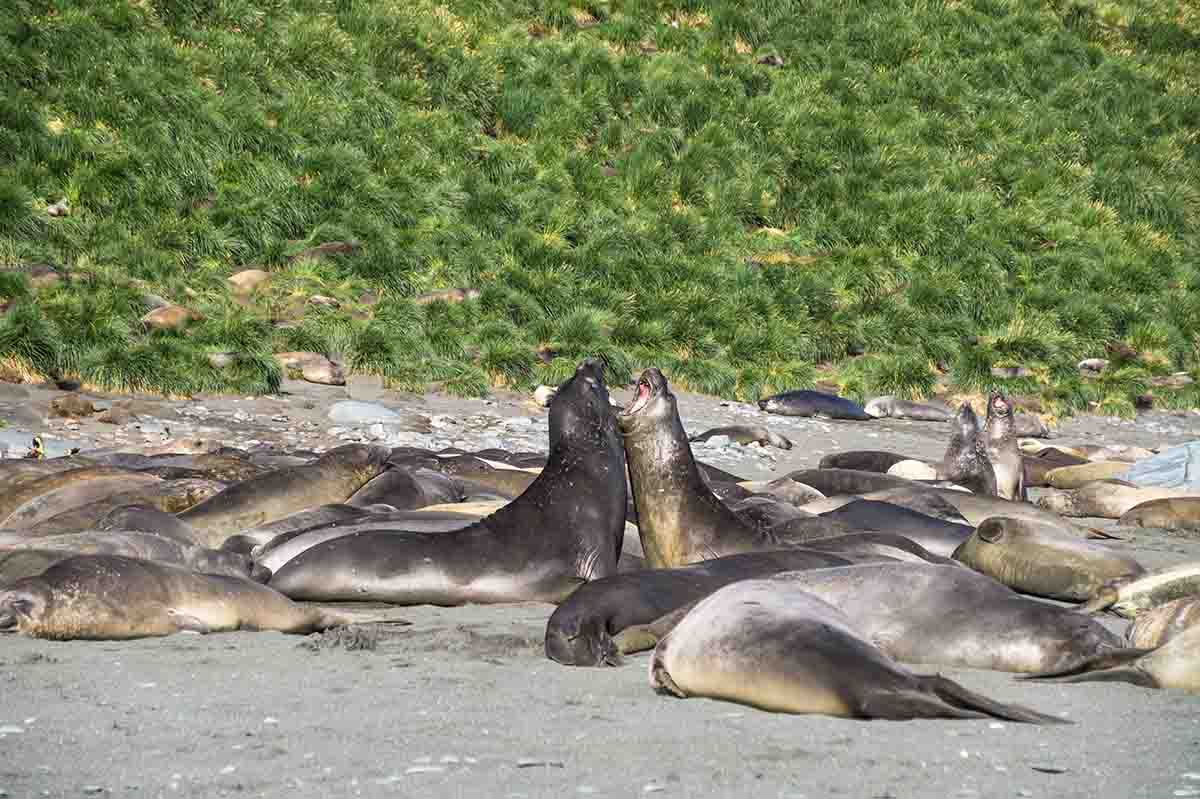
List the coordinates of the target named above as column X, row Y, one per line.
column 567, row 528
column 1066, row 478
column 1000, row 446
column 1103, row 499
column 581, row 630
column 805, row 402
column 1170, row 513
column 1131, row 596
column 1040, row 560
column 1175, row 664
column 109, row 597
column 746, row 434
column 914, row 470
column 889, row 407
column 936, row 535
column 783, row 488
column 862, row 460
column 168, row 496
column 966, row 462
column 1037, row 466
column 787, row 651
column 333, row 477
column 148, row 546
column 1154, row 627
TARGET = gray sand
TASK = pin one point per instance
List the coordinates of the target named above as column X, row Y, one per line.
column 464, row 703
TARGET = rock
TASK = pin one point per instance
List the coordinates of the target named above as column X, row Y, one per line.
column 220, row 360
column 322, row 300
column 1093, row 364
column 60, row 208
column 322, row 250
column 357, row 412
column 455, row 295
column 248, row 280
column 312, row 367
column 170, row 317
column 71, row 406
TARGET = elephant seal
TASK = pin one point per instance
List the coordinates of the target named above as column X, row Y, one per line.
column 936, row 535
column 1103, row 499
column 783, row 489
column 1132, row 596
column 1000, row 446
column 765, row 512
column 805, row 402
column 333, row 477
column 405, row 490
column 581, row 630
column 914, row 470
column 33, row 501
column 1153, row 628
column 222, row 466
column 148, row 546
column 1026, row 425
column 1169, row 513
column 788, row 651
column 745, row 434
column 109, row 597
column 966, row 461
column 1039, row 560
column 1066, row 478
column 915, row 497
column 1038, row 465
column 566, row 529
column 1175, row 664
column 169, row 496
column 889, row 407
column 866, row 460
column 841, row 482
column 312, row 518
column 17, row 564
column 146, row 519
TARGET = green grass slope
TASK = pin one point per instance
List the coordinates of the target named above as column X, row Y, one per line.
column 920, row 190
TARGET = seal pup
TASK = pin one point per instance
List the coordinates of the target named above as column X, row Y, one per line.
column 566, row 529
column 110, row 597
column 1132, row 596
column 333, row 477
column 788, row 651
column 1000, row 442
column 1103, row 499
column 1169, row 513
column 889, row 407
column 745, row 434
column 805, row 402
column 1039, row 560
column 1175, row 664
column 1154, row 627
column 581, row 630
column 966, row 460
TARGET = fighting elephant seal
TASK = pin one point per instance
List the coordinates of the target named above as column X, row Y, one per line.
column 745, row 434
column 804, row 402
column 1168, row 513
column 1103, row 499
column 863, row 460
column 1175, row 664
column 889, row 407
column 581, row 630
column 1000, row 446
column 1040, row 560
column 109, row 597
column 333, row 477
column 965, row 461
column 566, row 529
column 1153, row 628
column 788, row 651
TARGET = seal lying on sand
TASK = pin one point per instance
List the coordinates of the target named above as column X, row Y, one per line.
column 788, row 651
column 966, row 462
column 142, row 545
column 1103, row 499
column 1133, row 595
column 1175, row 664
column 746, row 434
column 936, row 535
column 865, row 460
column 407, row 490
column 1170, row 513
column 804, row 402
column 1000, row 441
column 889, row 407
column 1038, row 465
column 1066, row 478
column 1158, row 625
column 109, row 597
column 1040, row 560
column 567, row 528
column 46, row 496
column 333, row 477
column 168, row 496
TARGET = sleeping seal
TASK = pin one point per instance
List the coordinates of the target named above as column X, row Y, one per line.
column 1175, row 664
column 866, row 460
column 788, row 651
column 1154, row 627
column 745, row 434
column 565, row 529
column 804, row 402
column 1169, row 513
column 889, row 407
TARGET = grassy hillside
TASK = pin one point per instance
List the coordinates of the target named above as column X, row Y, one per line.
column 747, row 194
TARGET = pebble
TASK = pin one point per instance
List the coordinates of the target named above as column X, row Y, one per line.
column 651, row 787
column 528, row 762
column 423, row 769
column 92, row 790
column 1187, row 792
column 229, row 769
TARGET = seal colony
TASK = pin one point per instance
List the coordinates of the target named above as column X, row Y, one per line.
column 814, row 592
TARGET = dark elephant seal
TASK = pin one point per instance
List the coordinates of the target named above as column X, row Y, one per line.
column 936, row 535
column 1040, row 560
column 1154, row 627
column 1000, row 440
column 169, row 496
column 148, row 546
column 915, row 497
column 581, row 630
column 765, row 512
column 966, row 461
column 805, row 402
column 567, row 528
column 788, row 651
column 109, row 597
column 842, row 482
column 228, row 468
column 333, row 477
column 407, row 490
column 889, row 407
column 1169, row 513
column 146, row 519
column 1175, row 664
column 17, row 564
column 866, row 460
column 1036, row 466
column 746, row 434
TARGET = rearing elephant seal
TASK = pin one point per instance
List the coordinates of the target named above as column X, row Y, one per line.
column 332, row 478
column 565, row 529
column 1000, row 439
column 787, row 651
column 966, row 461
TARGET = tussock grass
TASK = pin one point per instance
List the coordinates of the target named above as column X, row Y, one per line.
column 920, row 189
